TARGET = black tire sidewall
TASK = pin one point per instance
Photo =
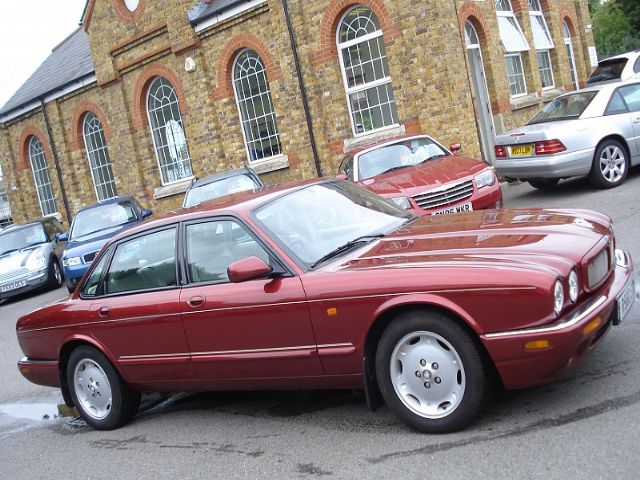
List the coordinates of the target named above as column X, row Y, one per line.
column 475, row 372
column 120, row 404
column 596, row 177
column 53, row 281
column 544, row 183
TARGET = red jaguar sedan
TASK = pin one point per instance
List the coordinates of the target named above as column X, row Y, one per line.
column 423, row 177
column 324, row 284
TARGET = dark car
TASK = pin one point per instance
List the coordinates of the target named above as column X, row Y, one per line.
column 30, row 256
column 221, row 184
column 92, row 227
column 324, row 284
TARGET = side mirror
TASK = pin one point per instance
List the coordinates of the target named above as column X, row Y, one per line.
column 247, row 269
column 146, row 213
column 342, row 176
column 63, row 237
column 455, row 148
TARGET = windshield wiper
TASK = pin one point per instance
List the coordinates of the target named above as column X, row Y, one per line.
column 347, row 246
column 434, row 157
column 394, row 168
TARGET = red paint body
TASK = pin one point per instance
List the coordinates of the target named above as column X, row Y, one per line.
column 493, row 270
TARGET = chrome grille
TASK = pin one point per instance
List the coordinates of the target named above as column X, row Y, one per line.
column 598, row 268
column 88, row 258
column 443, row 198
column 13, row 275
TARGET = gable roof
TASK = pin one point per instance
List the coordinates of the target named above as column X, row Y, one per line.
column 69, row 61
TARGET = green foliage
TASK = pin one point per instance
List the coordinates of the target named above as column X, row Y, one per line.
column 613, row 29
column 631, row 10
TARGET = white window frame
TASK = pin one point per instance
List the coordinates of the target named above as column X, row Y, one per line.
column 542, row 41
column 566, row 35
column 366, row 86
column 512, row 50
column 245, row 122
column 158, row 127
column 96, row 147
column 518, row 56
column 37, row 155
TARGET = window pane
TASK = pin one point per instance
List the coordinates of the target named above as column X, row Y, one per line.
column 90, row 288
column 541, row 36
column 631, row 95
column 253, row 97
column 167, row 129
column 515, row 75
column 213, row 246
column 144, row 263
column 41, row 177
column 511, row 35
column 359, row 22
column 98, row 154
column 544, row 66
column 373, row 108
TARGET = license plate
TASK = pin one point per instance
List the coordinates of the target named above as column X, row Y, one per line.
column 521, row 150
column 12, row 286
column 464, row 207
column 625, row 300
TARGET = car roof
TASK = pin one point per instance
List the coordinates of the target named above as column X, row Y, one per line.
column 14, row 227
column 632, row 54
column 110, row 201
column 384, row 141
column 221, row 176
column 237, row 204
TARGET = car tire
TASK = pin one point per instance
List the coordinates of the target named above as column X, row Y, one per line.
column 430, row 372
column 98, row 392
column 70, row 286
column 54, row 274
column 610, row 165
column 543, row 183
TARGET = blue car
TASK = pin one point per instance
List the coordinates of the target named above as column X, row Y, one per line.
column 90, row 230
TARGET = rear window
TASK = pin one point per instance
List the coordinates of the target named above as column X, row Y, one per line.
column 226, row 186
column 607, row 70
column 566, row 107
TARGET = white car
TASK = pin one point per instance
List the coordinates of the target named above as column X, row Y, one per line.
column 615, row 69
column 592, row 132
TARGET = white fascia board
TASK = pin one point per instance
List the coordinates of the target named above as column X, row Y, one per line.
column 215, row 19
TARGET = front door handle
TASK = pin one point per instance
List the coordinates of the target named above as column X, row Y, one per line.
column 103, row 312
column 196, row 301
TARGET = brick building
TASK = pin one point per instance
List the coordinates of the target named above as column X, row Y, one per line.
column 147, row 94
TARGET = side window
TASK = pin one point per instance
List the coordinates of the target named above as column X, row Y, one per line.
column 90, row 288
column 146, row 262
column 347, row 167
column 636, row 66
column 213, row 246
column 616, row 105
column 631, row 95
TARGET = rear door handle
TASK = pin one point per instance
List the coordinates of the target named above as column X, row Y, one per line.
column 103, row 312
column 196, row 301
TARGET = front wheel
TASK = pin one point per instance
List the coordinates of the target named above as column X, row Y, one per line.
column 55, row 274
column 430, row 372
column 103, row 399
column 610, row 165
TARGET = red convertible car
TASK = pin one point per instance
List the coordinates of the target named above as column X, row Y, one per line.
column 324, row 284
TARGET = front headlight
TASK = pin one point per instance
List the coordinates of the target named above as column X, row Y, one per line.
column 402, row 202
column 573, row 286
column 485, row 178
column 36, row 261
column 558, row 297
column 71, row 261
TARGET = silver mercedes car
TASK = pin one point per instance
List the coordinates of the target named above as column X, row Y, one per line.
column 594, row 132
column 30, row 257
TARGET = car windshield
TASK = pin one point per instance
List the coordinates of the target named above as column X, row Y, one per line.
column 607, row 70
column 316, row 220
column 17, row 239
column 226, row 186
column 102, row 218
column 398, row 155
column 566, row 107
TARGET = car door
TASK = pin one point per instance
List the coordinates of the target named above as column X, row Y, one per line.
column 136, row 312
column 631, row 96
column 259, row 328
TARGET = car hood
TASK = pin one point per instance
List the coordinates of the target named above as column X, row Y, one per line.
column 425, row 176
column 93, row 242
column 15, row 260
column 539, row 239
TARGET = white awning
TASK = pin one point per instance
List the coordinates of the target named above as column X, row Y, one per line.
column 511, row 34
column 541, row 37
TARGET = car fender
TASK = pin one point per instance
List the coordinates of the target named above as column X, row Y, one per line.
column 93, row 342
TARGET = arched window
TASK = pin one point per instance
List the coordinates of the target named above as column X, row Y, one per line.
column 514, row 42
column 471, row 36
column 566, row 33
column 169, row 140
column 543, row 43
column 365, row 71
column 253, row 97
column 98, row 155
column 41, row 177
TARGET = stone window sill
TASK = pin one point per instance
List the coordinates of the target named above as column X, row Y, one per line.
column 551, row 94
column 270, row 164
column 174, row 188
column 524, row 102
column 351, row 143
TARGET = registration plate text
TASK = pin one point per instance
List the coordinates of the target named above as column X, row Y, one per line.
column 7, row 287
column 464, row 207
column 521, row 150
column 625, row 300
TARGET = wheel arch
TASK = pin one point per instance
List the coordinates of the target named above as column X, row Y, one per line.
column 618, row 138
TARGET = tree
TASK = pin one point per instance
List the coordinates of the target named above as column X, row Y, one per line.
column 631, row 10
column 613, row 30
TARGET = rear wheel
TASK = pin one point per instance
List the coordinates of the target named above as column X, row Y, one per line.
column 430, row 372
column 610, row 165
column 543, row 183
column 103, row 399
